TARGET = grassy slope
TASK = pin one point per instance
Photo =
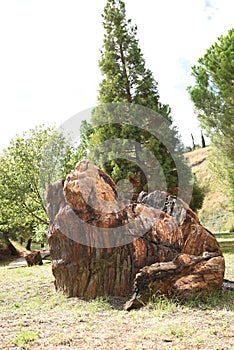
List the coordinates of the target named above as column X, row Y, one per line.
column 215, row 214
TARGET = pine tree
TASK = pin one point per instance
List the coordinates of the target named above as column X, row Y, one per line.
column 213, row 98
column 127, row 80
column 122, row 64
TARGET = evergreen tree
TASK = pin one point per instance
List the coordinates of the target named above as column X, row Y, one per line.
column 213, row 98
column 193, row 143
column 126, row 84
column 125, row 77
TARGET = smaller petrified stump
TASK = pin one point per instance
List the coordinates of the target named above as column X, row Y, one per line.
column 34, row 258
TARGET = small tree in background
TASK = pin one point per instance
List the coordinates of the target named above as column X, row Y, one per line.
column 32, row 161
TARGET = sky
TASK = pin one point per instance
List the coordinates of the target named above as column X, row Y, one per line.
column 50, row 50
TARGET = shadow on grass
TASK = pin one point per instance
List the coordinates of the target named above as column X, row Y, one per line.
column 218, row 300
column 226, row 242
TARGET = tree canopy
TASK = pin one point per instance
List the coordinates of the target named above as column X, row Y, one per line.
column 30, row 162
column 213, row 98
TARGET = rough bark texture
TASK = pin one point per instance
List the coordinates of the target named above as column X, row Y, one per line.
column 34, row 258
column 185, row 276
column 99, row 244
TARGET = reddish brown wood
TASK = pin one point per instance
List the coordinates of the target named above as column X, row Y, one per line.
column 34, row 258
column 102, row 246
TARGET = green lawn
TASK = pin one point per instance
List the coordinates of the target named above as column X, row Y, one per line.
column 226, row 242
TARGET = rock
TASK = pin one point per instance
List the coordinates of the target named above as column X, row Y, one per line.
column 101, row 245
column 34, row 258
column 228, row 285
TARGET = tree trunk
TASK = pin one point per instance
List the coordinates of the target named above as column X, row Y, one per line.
column 28, row 246
column 10, row 246
column 127, row 83
column 193, row 143
column 203, row 140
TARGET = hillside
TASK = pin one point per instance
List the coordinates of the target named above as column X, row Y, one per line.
column 215, row 213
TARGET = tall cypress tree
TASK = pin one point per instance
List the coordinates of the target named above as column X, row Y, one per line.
column 125, row 77
column 127, row 80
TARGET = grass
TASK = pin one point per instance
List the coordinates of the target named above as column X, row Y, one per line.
column 226, row 242
column 24, row 338
column 34, row 316
column 5, row 257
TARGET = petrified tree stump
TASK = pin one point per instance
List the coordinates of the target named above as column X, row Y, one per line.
column 103, row 246
column 34, row 258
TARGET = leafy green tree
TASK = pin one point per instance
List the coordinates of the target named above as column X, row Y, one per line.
column 126, row 81
column 27, row 166
column 198, row 196
column 213, row 98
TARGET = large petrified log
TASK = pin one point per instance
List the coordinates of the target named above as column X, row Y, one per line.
column 103, row 246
